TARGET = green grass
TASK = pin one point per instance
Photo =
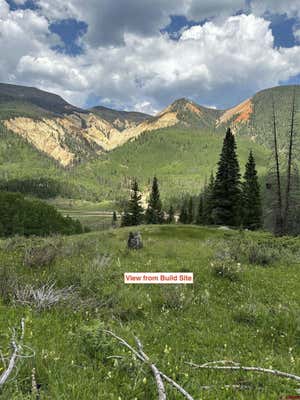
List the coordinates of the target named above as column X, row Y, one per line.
column 253, row 319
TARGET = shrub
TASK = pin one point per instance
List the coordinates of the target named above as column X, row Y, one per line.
column 40, row 256
column 8, row 281
column 43, row 297
column 95, row 343
column 249, row 314
column 93, row 275
column 225, row 266
column 261, row 254
column 175, row 298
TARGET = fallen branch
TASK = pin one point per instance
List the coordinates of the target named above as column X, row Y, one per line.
column 178, row 387
column 236, row 387
column 141, row 357
column 159, row 383
column 17, row 347
column 237, row 367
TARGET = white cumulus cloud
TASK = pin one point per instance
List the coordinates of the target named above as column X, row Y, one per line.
column 129, row 63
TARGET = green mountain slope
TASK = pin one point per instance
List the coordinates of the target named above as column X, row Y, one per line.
column 261, row 119
column 31, row 102
column 253, row 117
column 181, row 158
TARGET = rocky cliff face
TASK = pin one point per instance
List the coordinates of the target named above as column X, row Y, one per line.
column 66, row 138
column 237, row 115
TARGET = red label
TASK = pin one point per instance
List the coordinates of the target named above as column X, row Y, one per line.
column 290, row 397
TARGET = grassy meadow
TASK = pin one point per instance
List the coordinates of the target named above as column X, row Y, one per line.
column 243, row 306
column 93, row 216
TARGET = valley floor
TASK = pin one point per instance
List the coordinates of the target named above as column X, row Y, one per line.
column 244, row 306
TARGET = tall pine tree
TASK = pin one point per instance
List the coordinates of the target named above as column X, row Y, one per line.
column 183, row 216
column 133, row 214
column 171, row 216
column 114, row 220
column 252, row 209
column 200, row 213
column 154, row 213
column 208, row 201
column 227, row 192
column 190, row 211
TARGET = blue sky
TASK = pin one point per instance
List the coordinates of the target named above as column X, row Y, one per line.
column 142, row 55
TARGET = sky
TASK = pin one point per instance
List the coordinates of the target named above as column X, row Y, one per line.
column 143, row 54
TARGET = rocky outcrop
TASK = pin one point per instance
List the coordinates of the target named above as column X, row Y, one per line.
column 238, row 114
column 134, row 241
column 46, row 135
column 54, row 136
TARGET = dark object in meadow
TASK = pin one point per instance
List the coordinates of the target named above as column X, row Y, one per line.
column 134, row 241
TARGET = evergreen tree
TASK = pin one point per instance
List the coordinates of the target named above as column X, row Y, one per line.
column 183, row 216
column 208, row 201
column 126, row 218
column 171, row 216
column 190, row 211
column 114, row 219
column 226, row 192
column 154, row 213
column 200, row 214
column 135, row 209
column 252, row 210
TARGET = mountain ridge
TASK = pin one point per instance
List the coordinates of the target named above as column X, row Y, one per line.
column 69, row 134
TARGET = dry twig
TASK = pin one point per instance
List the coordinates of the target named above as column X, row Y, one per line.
column 236, row 367
column 16, row 353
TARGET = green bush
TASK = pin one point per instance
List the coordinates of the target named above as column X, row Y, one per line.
column 95, row 343
column 249, row 314
column 225, row 266
column 265, row 252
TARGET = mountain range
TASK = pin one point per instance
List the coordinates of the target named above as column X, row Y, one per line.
column 93, row 153
column 69, row 134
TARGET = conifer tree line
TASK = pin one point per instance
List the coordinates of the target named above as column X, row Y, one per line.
column 134, row 213
column 225, row 200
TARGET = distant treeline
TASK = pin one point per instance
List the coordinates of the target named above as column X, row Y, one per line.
column 19, row 216
column 44, row 188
